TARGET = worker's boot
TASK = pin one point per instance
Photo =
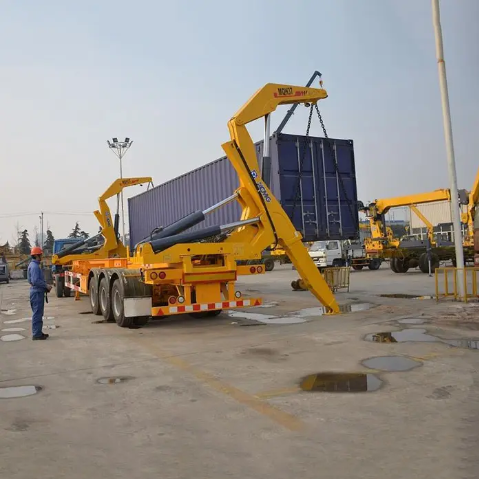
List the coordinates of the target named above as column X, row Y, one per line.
column 39, row 338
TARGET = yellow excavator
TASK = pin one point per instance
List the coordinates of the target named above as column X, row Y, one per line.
column 178, row 272
column 106, row 244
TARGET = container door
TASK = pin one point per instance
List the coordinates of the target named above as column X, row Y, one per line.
column 321, row 202
column 298, row 192
column 337, row 201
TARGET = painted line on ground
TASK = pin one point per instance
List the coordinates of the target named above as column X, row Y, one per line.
column 282, row 418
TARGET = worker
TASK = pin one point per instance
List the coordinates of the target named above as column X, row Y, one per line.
column 38, row 290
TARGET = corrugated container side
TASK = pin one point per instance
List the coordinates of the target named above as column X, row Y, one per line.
column 437, row 213
column 215, row 181
column 196, row 190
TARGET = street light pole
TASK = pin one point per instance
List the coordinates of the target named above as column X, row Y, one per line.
column 41, row 229
column 120, row 148
column 451, row 163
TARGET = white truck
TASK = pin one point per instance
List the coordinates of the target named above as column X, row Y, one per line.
column 335, row 253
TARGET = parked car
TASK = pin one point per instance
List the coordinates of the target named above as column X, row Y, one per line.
column 4, row 273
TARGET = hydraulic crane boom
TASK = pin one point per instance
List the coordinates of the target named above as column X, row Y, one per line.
column 109, row 228
column 377, row 210
column 273, row 226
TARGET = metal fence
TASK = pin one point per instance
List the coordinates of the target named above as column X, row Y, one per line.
column 447, row 281
column 337, row 278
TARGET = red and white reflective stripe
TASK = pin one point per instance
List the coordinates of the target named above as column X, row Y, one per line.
column 69, row 275
column 194, row 308
column 72, row 274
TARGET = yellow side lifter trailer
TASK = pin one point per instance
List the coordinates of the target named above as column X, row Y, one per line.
column 176, row 272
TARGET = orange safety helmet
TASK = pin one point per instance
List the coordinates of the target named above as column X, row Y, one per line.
column 36, row 250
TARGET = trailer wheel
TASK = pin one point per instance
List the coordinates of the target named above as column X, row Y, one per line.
column 374, row 264
column 59, row 285
column 269, row 264
column 402, row 265
column 424, row 263
column 392, row 265
column 67, row 292
column 118, row 305
column 105, row 300
column 94, row 298
column 357, row 267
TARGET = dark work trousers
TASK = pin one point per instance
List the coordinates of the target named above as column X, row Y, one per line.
column 37, row 302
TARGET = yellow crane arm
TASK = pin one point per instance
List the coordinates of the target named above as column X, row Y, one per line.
column 474, row 194
column 378, row 208
column 468, row 216
column 429, row 225
column 384, row 205
column 103, row 215
column 255, row 197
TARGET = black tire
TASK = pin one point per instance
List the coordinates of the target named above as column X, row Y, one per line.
column 402, row 265
column 94, row 299
column 59, row 285
column 424, row 263
column 374, row 264
column 269, row 264
column 67, row 292
column 435, row 262
column 105, row 300
column 357, row 267
column 392, row 265
column 117, row 301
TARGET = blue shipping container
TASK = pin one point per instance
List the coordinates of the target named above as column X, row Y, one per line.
column 325, row 208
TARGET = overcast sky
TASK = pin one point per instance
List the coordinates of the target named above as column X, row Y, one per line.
column 169, row 74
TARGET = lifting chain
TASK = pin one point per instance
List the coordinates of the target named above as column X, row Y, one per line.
column 297, row 195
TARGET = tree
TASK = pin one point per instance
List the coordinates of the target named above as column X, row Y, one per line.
column 76, row 233
column 24, row 243
column 48, row 245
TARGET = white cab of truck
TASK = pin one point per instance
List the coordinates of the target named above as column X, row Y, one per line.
column 317, row 251
column 334, row 252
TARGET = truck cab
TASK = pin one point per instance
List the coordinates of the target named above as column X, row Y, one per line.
column 335, row 253
column 58, row 270
column 318, row 253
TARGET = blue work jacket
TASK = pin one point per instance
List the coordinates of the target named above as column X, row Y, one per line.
column 36, row 278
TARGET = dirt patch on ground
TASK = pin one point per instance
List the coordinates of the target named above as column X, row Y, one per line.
column 459, row 316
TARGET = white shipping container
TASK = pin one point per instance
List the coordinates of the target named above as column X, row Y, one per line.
column 437, row 212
